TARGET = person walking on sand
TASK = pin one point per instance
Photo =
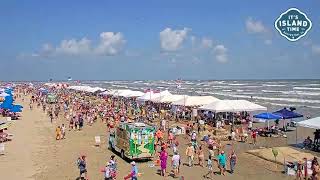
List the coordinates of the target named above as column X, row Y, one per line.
column 200, row 154
column 315, row 169
column 190, row 154
column 107, row 172
column 58, row 133
column 82, row 165
column 63, row 131
column 133, row 173
column 233, row 161
column 175, row 162
column 222, row 162
column 210, row 168
column 254, row 137
column 163, row 161
column 51, row 116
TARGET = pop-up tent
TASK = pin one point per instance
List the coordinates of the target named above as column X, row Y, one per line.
column 310, row 123
column 268, row 116
column 232, row 106
column 134, row 94
column 148, row 96
column 192, row 101
column 168, row 99
column 287, row 114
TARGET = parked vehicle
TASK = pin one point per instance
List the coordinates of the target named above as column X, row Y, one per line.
column 133, row 140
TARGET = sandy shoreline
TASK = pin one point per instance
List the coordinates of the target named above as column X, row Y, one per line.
column 35, row 154
column 21, row 159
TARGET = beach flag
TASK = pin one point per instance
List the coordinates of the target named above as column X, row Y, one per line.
column 178, row 82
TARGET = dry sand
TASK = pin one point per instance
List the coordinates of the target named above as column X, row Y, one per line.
column 35, row 154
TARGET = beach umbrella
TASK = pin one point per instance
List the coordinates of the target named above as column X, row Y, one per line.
column 15, row 109
column 8, row 91
column 4, row 94
column 267, row 115
column 287, row 114
column 18, row 106
column 5, row 105
column 8, row 100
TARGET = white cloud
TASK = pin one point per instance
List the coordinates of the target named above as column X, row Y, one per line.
column 110, row 43
column 316, row 49
column 206, row 43
column 253, row 26
column 195, row 60
column 46, row 50
column 223, row 58
column 193, row 41
column 74, row 47
column 172, row 40
column 220, row 49
column 221, row 53
column 268, row 42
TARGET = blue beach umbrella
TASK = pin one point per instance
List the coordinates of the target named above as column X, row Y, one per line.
column 18, row 105
column 8, row 100
column 15, row 109
column 6, row 105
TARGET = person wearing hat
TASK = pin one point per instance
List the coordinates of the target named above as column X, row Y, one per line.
column 134, row 172
column 222, row 162
column 107, row 172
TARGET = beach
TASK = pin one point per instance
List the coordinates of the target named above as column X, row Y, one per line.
column 35, row 154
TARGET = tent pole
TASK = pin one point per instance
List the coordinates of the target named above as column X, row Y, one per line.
column 297, row 135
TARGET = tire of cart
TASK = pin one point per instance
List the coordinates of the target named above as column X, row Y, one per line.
column 122, row 154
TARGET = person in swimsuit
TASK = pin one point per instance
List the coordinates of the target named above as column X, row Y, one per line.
column 315, row 169
column 200, row 156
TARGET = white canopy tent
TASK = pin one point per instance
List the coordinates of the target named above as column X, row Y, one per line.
column 148, row 96
column 194, row 100
column 134, row 94
column 128, row 93
column 232, row 106
column 86, row 88
column 121, row 92
column 313, row 123
column 168, row 99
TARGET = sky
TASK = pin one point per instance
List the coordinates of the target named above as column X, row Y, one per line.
column 154, row 40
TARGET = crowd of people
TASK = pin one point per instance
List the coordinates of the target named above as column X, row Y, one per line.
column 81, row 109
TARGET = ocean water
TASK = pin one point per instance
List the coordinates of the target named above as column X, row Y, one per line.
column 304, row 95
